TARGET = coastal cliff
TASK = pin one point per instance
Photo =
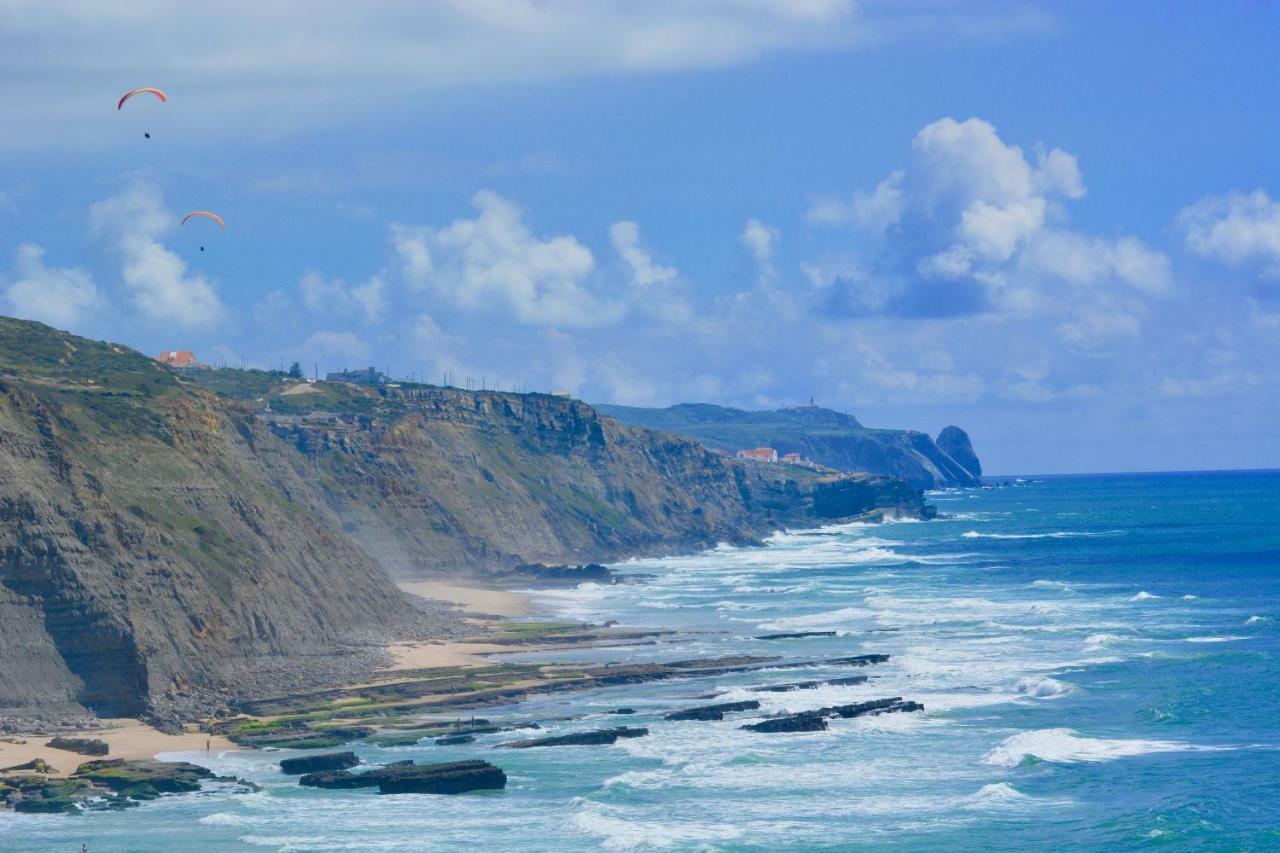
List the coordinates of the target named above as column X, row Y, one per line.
column 830, row 438
column 169, row 541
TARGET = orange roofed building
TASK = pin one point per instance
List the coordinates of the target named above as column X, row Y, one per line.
column 760, row 454
column 182, row 359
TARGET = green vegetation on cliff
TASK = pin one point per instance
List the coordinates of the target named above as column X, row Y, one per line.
column 170, row 538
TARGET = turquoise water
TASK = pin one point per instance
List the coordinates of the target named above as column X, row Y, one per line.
column 1097, row 657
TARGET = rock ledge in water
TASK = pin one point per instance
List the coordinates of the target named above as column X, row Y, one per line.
column 318, row 763
column 596, row 738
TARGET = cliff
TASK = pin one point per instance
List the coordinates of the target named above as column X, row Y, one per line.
column 152, row 551
column 827, row 437
column 169, row 538
column 431, row 480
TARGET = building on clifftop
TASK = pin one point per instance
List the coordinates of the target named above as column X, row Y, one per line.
column 760, row 454
column 181, row 359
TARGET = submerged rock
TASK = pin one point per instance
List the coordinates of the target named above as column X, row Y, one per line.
column 816, row 720
column 875, row 706
column 82, row 745
column 713, row 712
column 595, row 738
column 795, row 635
column 455, row 740
column 318, row 763
column 810, row 685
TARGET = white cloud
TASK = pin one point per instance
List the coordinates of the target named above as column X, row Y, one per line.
column 761, row 240
column 625, row 237
column 59, row 296
column 1237, row 230
column 333, row 296
column 279, row 65
column 972, row 224
column 336, row 350
column 493, row 263
column 159, row 283
column 1094, row 325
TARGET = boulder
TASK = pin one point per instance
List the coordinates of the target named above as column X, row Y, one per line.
column 455, row 777
column 35, row 765
column 455, row 740
column 806, row 721
column 82, row 745
column 143, row 779
column 623, row 711
column 713, row 712
column 318, row 763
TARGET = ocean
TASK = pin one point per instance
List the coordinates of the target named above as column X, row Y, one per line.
column 1097, row 658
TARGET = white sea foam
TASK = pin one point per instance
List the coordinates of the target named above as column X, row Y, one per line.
column 1257, row 620
column 616, row 832
column 1070, row 747
column 1144, row 596
column 1190, row 597
column 1214, row 639
column 223, row 819
column 1042, row 687
column 1045, row 584
column 1055, row 534
column 1098, row 641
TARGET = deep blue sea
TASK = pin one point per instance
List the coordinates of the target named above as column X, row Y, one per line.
column 1099, row 659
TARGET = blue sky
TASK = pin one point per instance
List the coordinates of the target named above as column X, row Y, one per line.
column 1057, row 225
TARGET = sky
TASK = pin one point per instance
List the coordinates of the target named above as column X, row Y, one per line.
column 1056, row 225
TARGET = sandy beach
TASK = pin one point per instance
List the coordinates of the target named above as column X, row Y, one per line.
column 127, row 738
column 480, row 601
column 133, row 739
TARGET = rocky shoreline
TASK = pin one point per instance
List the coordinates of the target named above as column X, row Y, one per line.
column 434, row 706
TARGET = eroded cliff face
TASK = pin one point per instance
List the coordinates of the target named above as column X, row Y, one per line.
column 151, row 552
column 163, row 547
column 452, row 481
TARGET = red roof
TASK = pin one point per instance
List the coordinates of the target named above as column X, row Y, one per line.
column 178, row 358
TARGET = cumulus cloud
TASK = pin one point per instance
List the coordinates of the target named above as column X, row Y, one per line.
column 495, row 263
column 333, row 296
column 761, row 240
column 159, row 283
column 59, row 296
column 625, row 237
column 1237, row 229
column 972, row 223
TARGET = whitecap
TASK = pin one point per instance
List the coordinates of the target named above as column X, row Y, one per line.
column 1257, row 620
column 1214, row 639
column 1042, row 687
column 222, row 819
column 618, row 833
column 1097, row 641
column 1054, row 534
column 1190, row 597
column 1069, row 747
column 1144, row 596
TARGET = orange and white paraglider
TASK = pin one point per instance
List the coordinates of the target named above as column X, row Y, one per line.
column 207, row 214
column 145, row 90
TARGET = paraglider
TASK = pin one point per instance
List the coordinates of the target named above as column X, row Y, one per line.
column 143, row 91
column 209, row 214
column 146, row 90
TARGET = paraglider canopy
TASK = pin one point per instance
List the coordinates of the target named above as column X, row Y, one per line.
column 145, row 90
column 215, row 217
